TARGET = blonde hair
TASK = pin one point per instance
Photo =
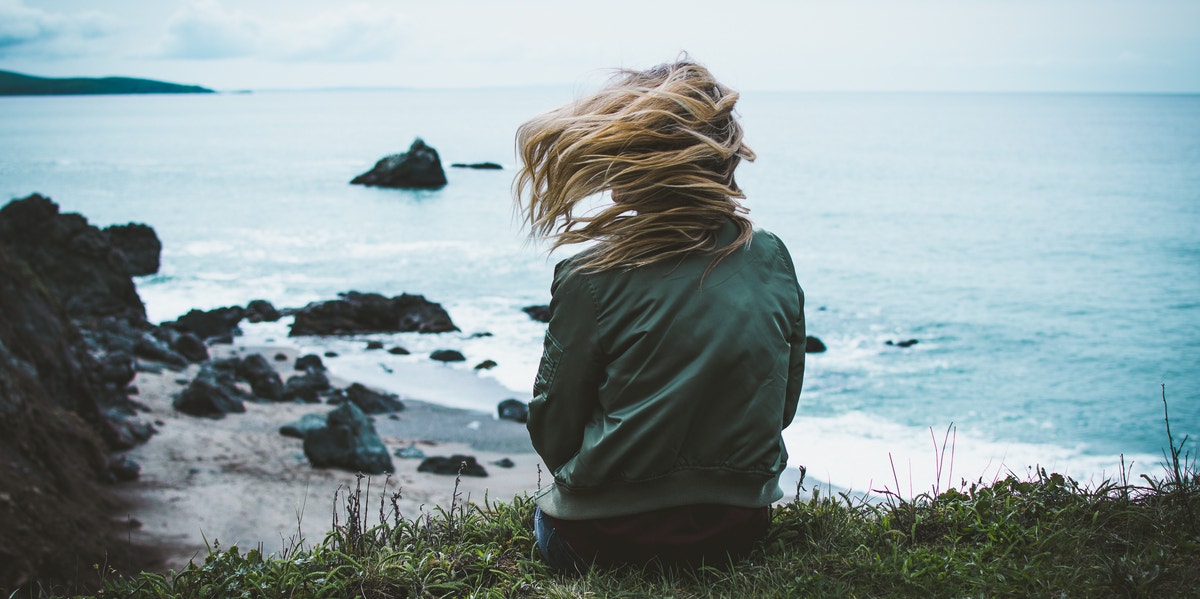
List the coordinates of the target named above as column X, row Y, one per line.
column 663, row 142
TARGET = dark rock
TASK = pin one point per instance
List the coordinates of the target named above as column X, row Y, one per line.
column 418, row 168
column 309, row 362
column 538, row 313
column 452, row 465
column 334, row 396
column 480, row 335
column 218, row 323
column 447, row 355
column 357, row 313
column 812, row 345
column 504, row 463
column 308, row 422
column 513, row 409
column 117, row 368
column 905, row 343
column 281, row 357
column 349, row 441
column 264, row 381
column 331, row 354
column 221, row 340
column 209, row 394
column 152, row 348
column 492, row 166
column 374, row 345
column 486, row 365
column 306, row 387
column 372, row 402
column 124, row 469
column 190, row 347
column 261, row 311
column 139, row 245
column 398, row 351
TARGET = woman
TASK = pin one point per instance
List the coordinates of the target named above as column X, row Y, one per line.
column 675, row 349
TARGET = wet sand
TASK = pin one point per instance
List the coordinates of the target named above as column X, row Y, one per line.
column 238, row 481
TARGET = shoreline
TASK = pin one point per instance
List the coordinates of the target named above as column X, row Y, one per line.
column 238, row 481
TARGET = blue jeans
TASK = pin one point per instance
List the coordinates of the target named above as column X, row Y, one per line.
column 554, row 549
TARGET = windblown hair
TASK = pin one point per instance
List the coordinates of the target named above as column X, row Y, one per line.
column 663, row 142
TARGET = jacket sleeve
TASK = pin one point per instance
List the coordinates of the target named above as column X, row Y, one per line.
column 566, row 391
column 798, row 341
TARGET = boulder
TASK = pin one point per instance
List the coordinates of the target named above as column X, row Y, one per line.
column 418, row 168
column 398, row 351
column 150, row 347
column 371, row 345
column 306, row 387
column 348, row 441
column 513, row 409
column 812, row 345
column 211, row 395
column 410, row 452
column 487, row 166
column 306, row 424
column 190, row 347
column 453, row 465
column 373, row 402
column 359, row 313
column 117, row 368
column 261, row 311
column 264, row 381
column 486, row 365
column 538, row 313
column 447, row 355
column 218, row 323
column 139, row 245
column 309, row 362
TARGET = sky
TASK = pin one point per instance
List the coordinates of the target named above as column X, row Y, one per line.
column 821, row 45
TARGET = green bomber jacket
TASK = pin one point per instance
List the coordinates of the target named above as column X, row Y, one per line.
column 660, row 387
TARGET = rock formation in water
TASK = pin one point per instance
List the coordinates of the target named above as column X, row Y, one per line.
column 418, row 168
column 356, row 313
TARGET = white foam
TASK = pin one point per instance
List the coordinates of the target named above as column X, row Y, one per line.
column 861, row 452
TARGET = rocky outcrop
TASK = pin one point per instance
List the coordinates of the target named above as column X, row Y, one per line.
column 72, row 260
column 418, row 168
column 56, row 417
column 538, row 313
column 357, row 313
column 140, row 246
column 348, row 441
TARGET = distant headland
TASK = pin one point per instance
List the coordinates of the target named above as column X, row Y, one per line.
column 16, row 84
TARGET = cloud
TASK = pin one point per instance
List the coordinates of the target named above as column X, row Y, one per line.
column 26, row 31
column 204, row 30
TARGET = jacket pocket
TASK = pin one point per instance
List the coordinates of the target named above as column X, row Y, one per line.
column 552, row 352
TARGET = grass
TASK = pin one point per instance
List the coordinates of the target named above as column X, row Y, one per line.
column 1038, row 535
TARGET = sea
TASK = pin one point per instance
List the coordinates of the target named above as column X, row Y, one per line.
column 1043, row 251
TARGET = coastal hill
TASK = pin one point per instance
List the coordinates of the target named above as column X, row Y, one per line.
column 16, row 84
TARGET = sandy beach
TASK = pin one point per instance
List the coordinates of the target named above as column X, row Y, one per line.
column 238, row 481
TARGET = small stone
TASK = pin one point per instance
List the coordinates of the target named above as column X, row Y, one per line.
column 331, row 354
column 447, row 355
column 374, row 345
column 504, row 463
column 281, row 357
column 812, row 345
column 398, row 351
column 486, row 365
